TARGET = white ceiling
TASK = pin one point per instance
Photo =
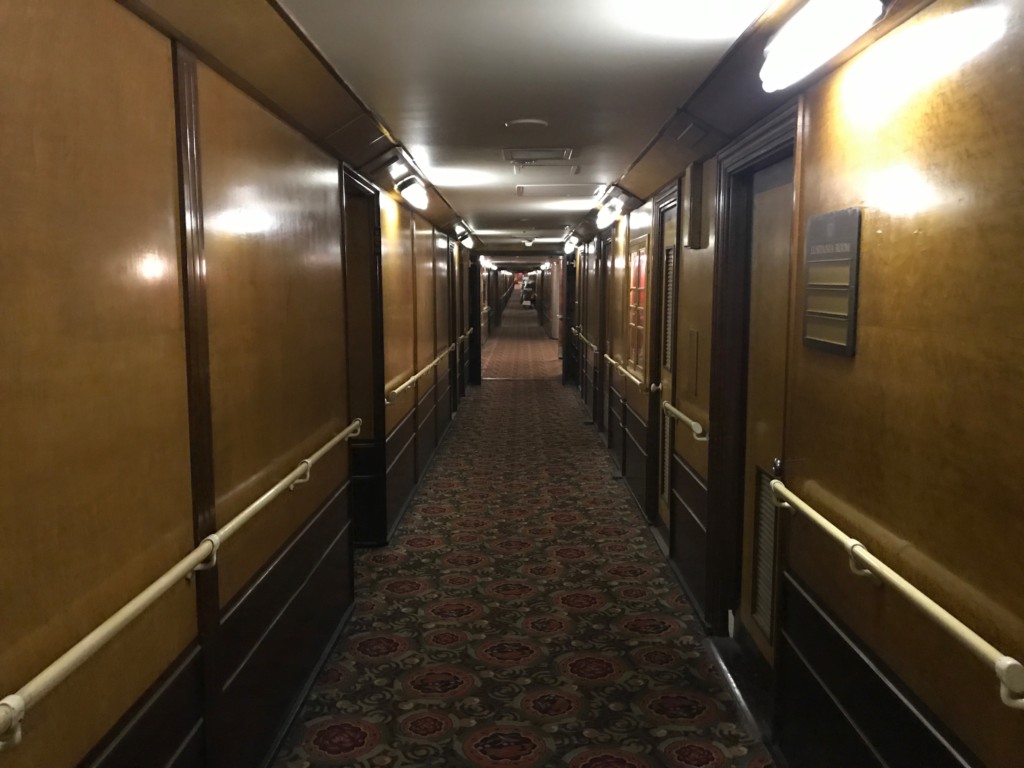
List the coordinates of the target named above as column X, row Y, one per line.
column 445, row 76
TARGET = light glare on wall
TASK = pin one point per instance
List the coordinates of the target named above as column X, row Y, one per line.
column 151, row 267
column 900, row 190
column 913, row 58
column 244, row 220
column 816, row 33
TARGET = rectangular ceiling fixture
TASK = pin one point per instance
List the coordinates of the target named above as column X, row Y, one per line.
column 536, row 155
column 555, row 190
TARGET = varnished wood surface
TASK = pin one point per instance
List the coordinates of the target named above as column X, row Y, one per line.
column 423, row 276
column 94, row 455
column 276, row 318
column 914, row 445
column 397, row 265
column 253, row 41
column 766, row 361
column 693, row 330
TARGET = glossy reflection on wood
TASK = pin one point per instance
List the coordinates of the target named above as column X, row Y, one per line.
column 693, row 330
column 397, row 263
column 423, row 246
column 276, row 318
column 914, row 445
column 94, row 446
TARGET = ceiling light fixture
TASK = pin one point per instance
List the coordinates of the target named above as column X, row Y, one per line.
column 414, row 192
column 528, row 243
column 817, row 32
column 398, row 169
column 609, row 212
column 570, row 244
column 535, row 122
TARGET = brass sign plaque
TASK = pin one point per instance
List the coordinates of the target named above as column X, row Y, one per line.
column 831, row 257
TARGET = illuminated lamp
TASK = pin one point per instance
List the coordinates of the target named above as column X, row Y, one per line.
column 816, row 33
column 414, row 192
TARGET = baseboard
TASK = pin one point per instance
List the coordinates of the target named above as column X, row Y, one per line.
column 163, row 725
column 839, row 706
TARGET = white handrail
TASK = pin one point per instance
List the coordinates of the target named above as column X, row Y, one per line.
column 389, row 397
column 623, row 371
column 695, row 426
column 578, row 332
column 13, row 707
column 1009, row 671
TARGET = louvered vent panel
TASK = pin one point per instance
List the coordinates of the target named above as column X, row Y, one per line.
column 669, row 326
column 764, row 554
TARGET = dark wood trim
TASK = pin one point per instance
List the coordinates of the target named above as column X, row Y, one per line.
column 475, row 360
column 166, row 720
column 602, row 382
column 197, row 370
column 838, row 705
column 400, row 477
column 767, row 143
column 278, row 630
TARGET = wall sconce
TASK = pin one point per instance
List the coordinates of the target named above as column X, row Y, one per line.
column 414, row 192
column 570, row 244
column 813, row 35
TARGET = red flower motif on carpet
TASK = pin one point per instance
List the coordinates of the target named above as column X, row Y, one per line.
column 693, row 754
column 425, row 725
column 651, row 625
column 550, row 705
column 680, row 707
column 380, row 646
column 591, row 668
column 454, row 610
column 608, row 758
column 504, row 746
column 440, row 682
column 343, row 738
column 628, row 571
column 508, row 653
column 510, row 590
column 545, row 625
column 581, row 601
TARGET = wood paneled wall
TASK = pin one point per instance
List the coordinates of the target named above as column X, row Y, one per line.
column 276, row 310
column 397, row 266
column 914, row 444
column 94, row 453
column 693, row 327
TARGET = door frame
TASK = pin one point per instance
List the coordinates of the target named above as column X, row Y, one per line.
column 770, row 141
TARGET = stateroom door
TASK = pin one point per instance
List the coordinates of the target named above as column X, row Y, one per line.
column 668, row 269
column 771, row 227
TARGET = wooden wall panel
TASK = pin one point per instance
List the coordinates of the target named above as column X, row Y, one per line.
column 399, row 306
column 423, row 248
column 276, row 318
column 94, row 468
column 693, row 330
column 914, row 444
column 442, row 300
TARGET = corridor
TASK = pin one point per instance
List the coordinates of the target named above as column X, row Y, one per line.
column 523, row 615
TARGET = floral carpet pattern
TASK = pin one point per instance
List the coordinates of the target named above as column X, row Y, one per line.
column 523, row 617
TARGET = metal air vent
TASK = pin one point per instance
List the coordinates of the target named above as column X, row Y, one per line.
column 536, row 154
column 764, row 554
column 555, row 190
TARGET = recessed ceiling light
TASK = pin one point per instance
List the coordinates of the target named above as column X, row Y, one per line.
column 534, row 122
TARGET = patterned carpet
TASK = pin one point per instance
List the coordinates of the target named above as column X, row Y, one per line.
column 520, row 349
column 523, row 617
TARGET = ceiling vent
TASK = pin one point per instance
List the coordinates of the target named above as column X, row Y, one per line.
column 555, row 190
column 537, row 155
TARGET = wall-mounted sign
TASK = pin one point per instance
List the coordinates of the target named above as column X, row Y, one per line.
column 831, row 257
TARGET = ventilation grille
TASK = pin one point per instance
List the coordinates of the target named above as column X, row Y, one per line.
column 536, row 154
column 556, row 190
column 764, row 554
column 669, row 315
